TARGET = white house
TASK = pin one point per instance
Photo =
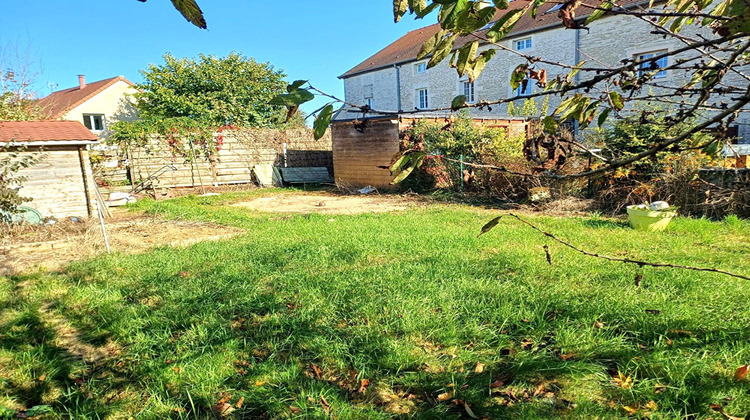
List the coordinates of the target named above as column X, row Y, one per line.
column 96, row 105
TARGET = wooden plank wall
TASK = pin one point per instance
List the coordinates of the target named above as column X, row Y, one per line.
column 357, row 154
column 56, row 183
column 240, row 150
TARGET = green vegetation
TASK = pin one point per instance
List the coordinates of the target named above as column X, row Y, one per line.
column 216, row 91
column 375, row 316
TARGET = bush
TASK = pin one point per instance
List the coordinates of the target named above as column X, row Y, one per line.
column 670, row 176
column 463, row 138
column 11, row 162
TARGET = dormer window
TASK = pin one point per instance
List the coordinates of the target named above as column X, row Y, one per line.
column 94, row 122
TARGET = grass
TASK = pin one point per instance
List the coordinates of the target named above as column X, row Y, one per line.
column 300, row 313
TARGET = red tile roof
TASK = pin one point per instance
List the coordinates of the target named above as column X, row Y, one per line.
column 61, row 102
column 44, row 131
column 407, row 47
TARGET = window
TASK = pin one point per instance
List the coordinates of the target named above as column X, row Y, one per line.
column 369, row 101
column 520, row 91
column 422, row 101
column 468, row 91
column 94, row 122
column 522, row 44
column 650, row 66
column 421, row 67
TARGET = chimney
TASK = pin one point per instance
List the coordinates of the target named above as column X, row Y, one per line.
column 81, row 81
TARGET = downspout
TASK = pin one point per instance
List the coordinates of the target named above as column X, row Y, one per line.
column 398, row 87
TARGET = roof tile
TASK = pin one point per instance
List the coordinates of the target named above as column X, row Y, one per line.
column 61, row 102
column 42, row 131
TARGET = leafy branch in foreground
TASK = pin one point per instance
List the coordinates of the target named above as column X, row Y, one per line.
column 191, row 11
column 592, row 92
column 494, row 222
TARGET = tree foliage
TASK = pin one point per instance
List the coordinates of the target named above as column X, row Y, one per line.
column 16, row 104
column 12, row 160
column 715, row 62
column 218, row 91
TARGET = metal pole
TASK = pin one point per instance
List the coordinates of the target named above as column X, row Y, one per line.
column 461, row 160
column 197, row 168
column 104, row 230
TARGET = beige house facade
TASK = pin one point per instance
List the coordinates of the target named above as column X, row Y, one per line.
column 393, row 80
column 96, row 105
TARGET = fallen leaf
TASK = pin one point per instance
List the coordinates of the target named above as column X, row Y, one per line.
column 625, row 382
column 240, row 402
column 363, row 385
column 294, row 409
column 445, row 396
column 568, row 356
column 651, row 406
column 260, row 383
column 740, row 373
column 317, row 371
column 479, row 368
column 325, row 404
column 497, row 384
column 223, row 409
column 176, row 369
column 43, row 377
column 598, row 324
column 630, row 409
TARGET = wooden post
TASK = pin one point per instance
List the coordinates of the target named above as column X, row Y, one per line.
column 84, row 173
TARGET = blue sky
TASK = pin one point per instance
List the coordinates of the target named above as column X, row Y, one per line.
column 316, row 40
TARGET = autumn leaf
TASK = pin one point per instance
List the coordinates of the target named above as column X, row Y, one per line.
column 363, row 385
column 479, row 368
column 740, row 373
column 445, row 396
column 316, row 371
column 240, row 402
column 624, row 382
column 568, row 356
column 497, row 384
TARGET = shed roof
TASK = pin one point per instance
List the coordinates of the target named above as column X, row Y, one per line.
column 72, row 132
column 61, row 102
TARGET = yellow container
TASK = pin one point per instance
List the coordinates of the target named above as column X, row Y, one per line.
column 649, row 220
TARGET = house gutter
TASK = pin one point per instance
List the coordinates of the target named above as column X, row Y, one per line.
column 50, row 143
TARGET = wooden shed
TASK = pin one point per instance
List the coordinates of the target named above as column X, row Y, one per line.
column 362, row 148
column 61, row 183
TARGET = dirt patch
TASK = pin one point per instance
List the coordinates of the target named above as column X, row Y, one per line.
column 328, row 203
column 51, row 247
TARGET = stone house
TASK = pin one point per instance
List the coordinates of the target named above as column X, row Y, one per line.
column 393, row 80
column 96, row 105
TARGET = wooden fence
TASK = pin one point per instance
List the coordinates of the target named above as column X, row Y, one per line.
column 238, row 152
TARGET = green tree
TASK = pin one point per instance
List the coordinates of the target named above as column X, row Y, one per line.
column 232, row 90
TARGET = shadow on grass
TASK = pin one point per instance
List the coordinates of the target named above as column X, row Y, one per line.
column 261, row 337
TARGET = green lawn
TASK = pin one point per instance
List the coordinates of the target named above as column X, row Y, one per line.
column 298, row 314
